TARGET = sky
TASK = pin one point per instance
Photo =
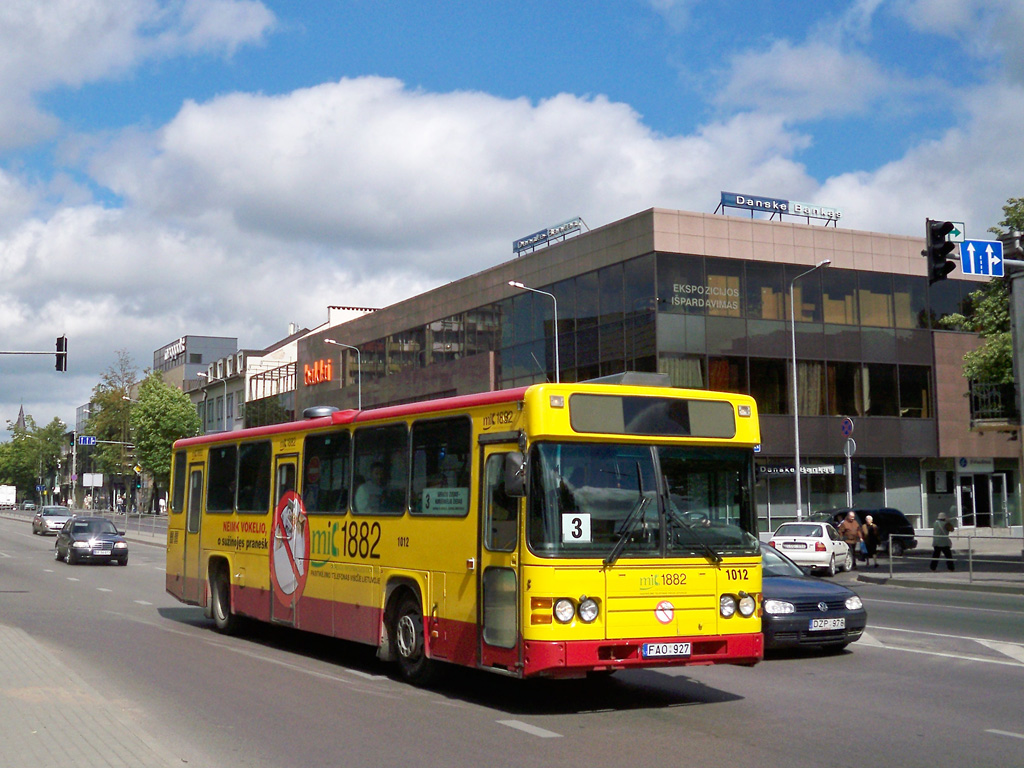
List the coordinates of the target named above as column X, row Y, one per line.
column 228, row 167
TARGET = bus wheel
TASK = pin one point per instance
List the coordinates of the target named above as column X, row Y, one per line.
column 407, row 632
column 220, row 600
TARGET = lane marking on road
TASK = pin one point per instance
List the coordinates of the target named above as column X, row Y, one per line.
column 103, row 589
column 72, row 578
column 530, row 729
column 950, row 608
column 1011, row 734
column 936, row 634
column 957, row 656
column 142, row 602
column 1013, row 650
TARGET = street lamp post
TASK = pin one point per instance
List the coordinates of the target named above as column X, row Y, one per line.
column 554, row 316
column 796, row 401
column 210, row 379
column 359, row 372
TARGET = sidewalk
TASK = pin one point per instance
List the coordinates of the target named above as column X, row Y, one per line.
column 984, row 563
column 51, row 718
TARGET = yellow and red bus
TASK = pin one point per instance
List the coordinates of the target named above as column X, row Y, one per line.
column 552, row 530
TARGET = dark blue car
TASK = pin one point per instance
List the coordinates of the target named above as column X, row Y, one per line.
column 803, row 611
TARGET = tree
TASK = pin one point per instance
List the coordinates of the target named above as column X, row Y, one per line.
column 32, row 457
column 989, row 315
column 161, row 415
column 109, row 419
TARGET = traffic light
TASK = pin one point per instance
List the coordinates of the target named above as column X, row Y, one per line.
column 937, row 248
column 62, row 353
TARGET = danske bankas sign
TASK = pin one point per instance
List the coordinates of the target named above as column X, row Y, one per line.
column 775, row 205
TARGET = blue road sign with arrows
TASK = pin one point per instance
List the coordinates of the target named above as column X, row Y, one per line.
column 982, row 257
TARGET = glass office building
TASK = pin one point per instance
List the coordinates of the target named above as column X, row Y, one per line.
column 705, row 299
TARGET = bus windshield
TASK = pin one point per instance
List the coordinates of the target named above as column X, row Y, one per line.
column 617, row 500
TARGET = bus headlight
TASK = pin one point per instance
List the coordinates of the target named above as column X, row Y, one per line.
column 747, row 605
column 727, row 605
column 588, row 610
column 564, row 610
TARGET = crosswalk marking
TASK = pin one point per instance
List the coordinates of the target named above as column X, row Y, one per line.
column 530, row 729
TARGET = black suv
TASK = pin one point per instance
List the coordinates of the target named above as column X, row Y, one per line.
column 890, row 522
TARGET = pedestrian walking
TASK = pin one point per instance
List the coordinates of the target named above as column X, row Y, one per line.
column 849, row 529
column 941, row 543
column 869, row 537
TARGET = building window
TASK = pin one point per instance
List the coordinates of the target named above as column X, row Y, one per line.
column 910, row 299
column 810, row 385
column 195, row 358
column 610, row 303
column 229, row 405
column 915, row 391
column 947, row 297
column 880, row 393
column 845, row 389
column 728, row 374
column 768, row 380
column 764, row 291
column 724, row 287
column 806, row 294
column 875, row 299
column 683, row 371
column 839, row 296
column 681, row 285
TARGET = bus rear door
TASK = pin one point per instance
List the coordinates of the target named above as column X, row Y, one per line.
column 289, row 557
column 498, row 592
column 192, row 566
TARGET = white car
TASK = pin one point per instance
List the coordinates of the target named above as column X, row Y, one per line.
column 814, row 545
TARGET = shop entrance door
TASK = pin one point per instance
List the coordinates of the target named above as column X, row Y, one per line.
column 967, row 501
column 983, row 500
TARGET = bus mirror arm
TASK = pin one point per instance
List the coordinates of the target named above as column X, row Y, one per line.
column 515, row 474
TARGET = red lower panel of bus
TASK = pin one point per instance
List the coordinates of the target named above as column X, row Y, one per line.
column 569, row 659
column 456, row 641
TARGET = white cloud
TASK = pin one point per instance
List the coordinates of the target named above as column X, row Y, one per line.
column 50, row 43
column 990, row 29
column 966, row 175
column 399, row 178
column 808, row 81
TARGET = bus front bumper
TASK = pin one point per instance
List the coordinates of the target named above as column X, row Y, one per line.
column 576, row 658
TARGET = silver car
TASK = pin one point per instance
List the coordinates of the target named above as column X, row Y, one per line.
column 49, row 520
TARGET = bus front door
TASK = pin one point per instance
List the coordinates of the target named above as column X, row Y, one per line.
column 498, row 592
column 194, row 579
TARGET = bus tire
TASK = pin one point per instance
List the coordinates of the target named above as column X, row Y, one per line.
column 410, row 644
column 220, row 602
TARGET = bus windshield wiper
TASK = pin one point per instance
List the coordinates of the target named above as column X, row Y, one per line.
column 679, row 520
column 635, row 515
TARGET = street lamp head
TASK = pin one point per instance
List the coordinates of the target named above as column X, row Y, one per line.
column 824, row 262
column 516, row 284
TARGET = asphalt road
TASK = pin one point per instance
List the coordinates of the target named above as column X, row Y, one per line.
column 935, row 682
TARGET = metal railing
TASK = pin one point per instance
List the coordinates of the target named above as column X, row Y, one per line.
column 976, row 558
column 993, row 404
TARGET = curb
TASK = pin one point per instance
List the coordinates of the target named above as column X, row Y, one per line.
column 1006, row 589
